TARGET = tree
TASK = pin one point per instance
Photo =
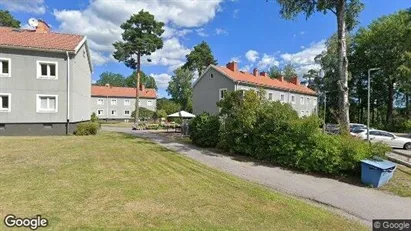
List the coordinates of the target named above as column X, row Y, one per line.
column 289, row 72
column 200, row 58
column 346, row 12
column 114, row 79
column 313, row 79
column 168, row 106
column 180, row 88
column 141, row 36
column 383, row 44
column 147, row 81
column 6, row 19
column 274, row 72
column 145, row 114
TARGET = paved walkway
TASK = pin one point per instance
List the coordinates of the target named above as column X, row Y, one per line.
column 361, row 202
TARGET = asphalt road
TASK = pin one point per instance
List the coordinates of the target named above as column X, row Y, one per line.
column 363, row 203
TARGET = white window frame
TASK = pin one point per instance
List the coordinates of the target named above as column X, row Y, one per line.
column 39, row 76
column 100, row 100
column 219, row 92
column 113, row 100
column 315, row 102
column 270, row 94
column 101, row 113
column 127, row 104
column 139, row 102
column 302, row 113
column 149, row 102
column 282, row 98
column 308, row 101
column 293, row 99
column 115, row 112
column 302, row 100
column 4, row 109
column 1, row 67
column 38, row 104
column 129, row 113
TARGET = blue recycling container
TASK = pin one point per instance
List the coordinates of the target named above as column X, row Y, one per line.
column 376, row 172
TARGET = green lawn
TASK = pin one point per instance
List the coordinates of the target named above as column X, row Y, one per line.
column 400, row 183
column 113, row 181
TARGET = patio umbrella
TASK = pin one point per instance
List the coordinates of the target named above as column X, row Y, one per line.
column 181, row 114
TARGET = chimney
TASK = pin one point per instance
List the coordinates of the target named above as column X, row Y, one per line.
column 281, row 78
column 294, row 80
column 42, row 27
column 142, row 88
column 232, row 66
column 265, row 74
column 255, row 72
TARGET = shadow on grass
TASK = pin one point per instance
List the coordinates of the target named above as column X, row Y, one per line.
column 184, row 146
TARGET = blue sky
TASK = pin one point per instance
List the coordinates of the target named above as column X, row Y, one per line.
column 249, row 31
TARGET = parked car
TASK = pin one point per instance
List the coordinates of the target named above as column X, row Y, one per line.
column 357, row 126
column 384, row 137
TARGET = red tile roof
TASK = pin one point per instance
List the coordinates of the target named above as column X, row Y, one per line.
column 122, row 92
column 264, row 81
column 10, row 37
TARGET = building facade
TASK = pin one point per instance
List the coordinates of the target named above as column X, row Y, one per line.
column 210, row 87
column 45, row 81
column 117, row 103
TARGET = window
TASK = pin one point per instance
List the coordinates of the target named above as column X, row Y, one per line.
column 47, row 70
column 127, row 102
column 149, row 102
column 2, row 126
column 139, row 102
column 5, row 99
column 113, row 112
column 114, row 102
column 100, row 112
column 282, row 98
column 222, row 93
column 375, row 133
column 211, row 76
column 315, row 102
column 308, row 100
column 4, row 67
column 302, row 113
column 270, row 96
column 126, row 112
column 100, row 101
column 301, row 100
column 293, row 99
column 48, row 126
column 47, row 103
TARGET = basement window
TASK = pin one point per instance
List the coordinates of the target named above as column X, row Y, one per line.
column 2, row 126
column 48, row 126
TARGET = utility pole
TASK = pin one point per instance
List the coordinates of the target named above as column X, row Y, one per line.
column 368, row 101
column 136, row 117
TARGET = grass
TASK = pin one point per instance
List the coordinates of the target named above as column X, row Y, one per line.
column 400, row 183
column 116, row 182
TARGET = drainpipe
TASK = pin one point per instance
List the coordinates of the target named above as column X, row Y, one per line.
column 68, row 94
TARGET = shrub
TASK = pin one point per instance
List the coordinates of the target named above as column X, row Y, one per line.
column 143, row 114
column 204, row 130
column 94, row 117
column 86, row 128
column 152, row 126
column 273, row 131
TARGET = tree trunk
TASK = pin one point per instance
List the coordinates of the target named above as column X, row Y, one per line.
column 343, row 115
column 136, row 118
column 390, row 103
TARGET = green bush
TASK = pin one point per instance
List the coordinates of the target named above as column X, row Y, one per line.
column 94, row 117
column 86, row 128
column 272, row 131
column 152, row 126
column 204, row 130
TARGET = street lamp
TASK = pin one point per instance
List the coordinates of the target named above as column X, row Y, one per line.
column 368, row 101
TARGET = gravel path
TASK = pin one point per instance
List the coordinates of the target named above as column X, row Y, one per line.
column 361, row 202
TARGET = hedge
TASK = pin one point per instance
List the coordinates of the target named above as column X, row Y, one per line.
column 87, row 128
column 204, row 130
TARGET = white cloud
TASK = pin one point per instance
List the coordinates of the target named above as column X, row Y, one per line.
column 30, row 6
column 219, row 31
column 246, row 68
column 235, row 13
column 161, row 80
column 267, row 61
column 252, row 56
column 100, row 21
column 236, row 59
column 304, row 60
column 201, row 32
